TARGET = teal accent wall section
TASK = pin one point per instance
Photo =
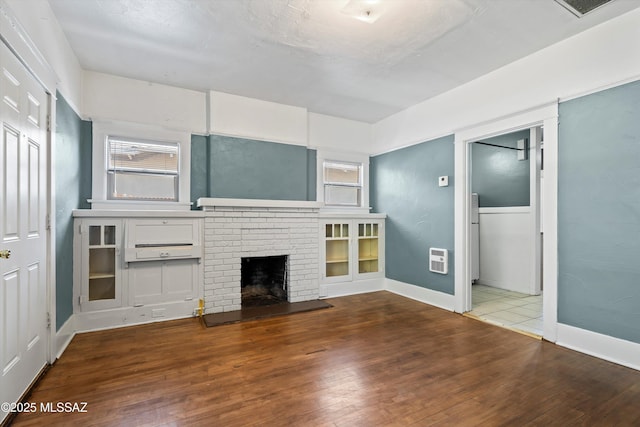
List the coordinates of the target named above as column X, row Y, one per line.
column 420, row 214
column 499, row 178
column 312, row 177
column 599, row 212
column 72, row 153
column 229, row 167
column 199, row 168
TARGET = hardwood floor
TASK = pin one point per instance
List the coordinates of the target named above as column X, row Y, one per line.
column 371, row 360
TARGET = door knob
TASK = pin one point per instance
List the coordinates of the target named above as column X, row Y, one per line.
column 5, row 254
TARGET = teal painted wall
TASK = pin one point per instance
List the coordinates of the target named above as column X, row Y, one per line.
column 223, row 166
column 72, row 151
column 312, row 177
column 599, row 212
column 199, row 168
column 420, row 214
column 499, row 178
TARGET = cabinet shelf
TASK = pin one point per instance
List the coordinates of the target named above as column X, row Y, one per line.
column 93, row 276
column 336, row 261
column 373, row 258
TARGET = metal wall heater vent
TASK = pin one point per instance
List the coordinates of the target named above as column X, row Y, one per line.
column 582, row 7
column 438, row 260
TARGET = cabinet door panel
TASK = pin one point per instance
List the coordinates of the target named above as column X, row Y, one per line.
column 145, row 282
column 154, row 282
column 179, row 279
column 100, row 267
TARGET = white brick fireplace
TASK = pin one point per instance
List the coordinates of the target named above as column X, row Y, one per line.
column 236, row 229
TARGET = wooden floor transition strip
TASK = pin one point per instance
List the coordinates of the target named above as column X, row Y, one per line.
column 253, row 313
column 511, row 328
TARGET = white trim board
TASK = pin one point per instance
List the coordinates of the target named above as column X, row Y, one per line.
column 418, row 293
column 546, row 116
column 64, row 335
column 616, row 350
column 129, row 316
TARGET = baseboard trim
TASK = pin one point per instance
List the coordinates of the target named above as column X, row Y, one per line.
column 616, row 350
column 129, row 316
column 418, row 293
column 64, row 335
column 334, row 290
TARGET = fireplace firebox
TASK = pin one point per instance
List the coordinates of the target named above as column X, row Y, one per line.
column 264, row 280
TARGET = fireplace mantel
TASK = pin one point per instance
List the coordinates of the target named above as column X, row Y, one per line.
column 210, row 203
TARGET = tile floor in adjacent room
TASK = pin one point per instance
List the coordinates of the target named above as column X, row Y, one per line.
column 507, row 308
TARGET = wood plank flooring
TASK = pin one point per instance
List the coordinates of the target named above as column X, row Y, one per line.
column 372, row 360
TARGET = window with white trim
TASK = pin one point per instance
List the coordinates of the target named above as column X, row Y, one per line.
column 139, row 169
column 343, row 183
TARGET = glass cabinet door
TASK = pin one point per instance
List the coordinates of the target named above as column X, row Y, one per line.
column 100, row 284
column 337, row 250
column 368, row 246
column 102, row 262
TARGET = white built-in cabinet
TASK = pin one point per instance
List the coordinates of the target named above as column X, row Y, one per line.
column 135, row 269
column 351, row 248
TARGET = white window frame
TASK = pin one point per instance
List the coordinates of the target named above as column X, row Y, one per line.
column 100, row 182
column 343, row 157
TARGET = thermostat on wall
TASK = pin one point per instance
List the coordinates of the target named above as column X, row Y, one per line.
column 443, row 181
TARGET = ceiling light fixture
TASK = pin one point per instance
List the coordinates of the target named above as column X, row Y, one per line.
column 364, row 10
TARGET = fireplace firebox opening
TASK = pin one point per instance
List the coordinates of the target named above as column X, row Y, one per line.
column 264, row 280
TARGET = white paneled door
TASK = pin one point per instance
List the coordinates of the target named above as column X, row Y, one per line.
column 23, row 206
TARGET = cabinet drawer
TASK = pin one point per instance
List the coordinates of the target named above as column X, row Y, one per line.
column 161, row 239
column 169, row 232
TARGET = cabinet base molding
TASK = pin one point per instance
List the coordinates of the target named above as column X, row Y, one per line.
column 128, row 316
column 333, row 290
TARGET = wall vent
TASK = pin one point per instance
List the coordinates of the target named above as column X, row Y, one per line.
column 438, row 260
column 581, row 7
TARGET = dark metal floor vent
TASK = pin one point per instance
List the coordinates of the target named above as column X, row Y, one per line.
column 582, row 7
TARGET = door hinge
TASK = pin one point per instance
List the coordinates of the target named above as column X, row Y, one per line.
column 48, row 320
column 48, row 222
column 48, row 123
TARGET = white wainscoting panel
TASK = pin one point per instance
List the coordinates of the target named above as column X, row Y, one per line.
column 506, row 248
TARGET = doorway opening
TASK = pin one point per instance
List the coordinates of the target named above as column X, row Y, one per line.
column 543, row 116
column 505, row 180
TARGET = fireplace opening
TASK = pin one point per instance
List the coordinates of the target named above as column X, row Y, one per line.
column 264, row 280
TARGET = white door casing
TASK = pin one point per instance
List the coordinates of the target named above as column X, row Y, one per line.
column 23, row 207
column 547, row 117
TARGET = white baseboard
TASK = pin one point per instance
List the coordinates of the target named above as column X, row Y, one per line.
column 64, row 335
column 334, row 290
column 129, row 316
column 616, row 350
column 418, row 293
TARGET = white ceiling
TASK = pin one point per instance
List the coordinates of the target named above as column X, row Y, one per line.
column 310, row 53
